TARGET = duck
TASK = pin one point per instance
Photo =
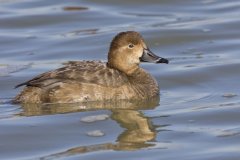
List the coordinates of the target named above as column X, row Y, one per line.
column 120, row 78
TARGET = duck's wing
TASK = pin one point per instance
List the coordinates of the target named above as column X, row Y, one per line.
column 94, row 72
column 44, row 79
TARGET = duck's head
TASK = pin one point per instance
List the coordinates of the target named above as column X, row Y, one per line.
column 127, row 50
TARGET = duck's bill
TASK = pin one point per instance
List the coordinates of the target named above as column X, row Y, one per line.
column 149, row 56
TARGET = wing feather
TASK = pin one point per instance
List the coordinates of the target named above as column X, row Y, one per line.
column 80, row 71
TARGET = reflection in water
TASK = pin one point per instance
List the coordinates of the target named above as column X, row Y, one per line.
column 136, row 136
column 138, row 128
column 138, row 131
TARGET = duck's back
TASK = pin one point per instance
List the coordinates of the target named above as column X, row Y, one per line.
column 77, row 81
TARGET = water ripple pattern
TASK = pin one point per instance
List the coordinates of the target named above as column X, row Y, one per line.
column 197, row 116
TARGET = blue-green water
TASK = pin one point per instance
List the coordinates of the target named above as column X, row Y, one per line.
column 198, row 115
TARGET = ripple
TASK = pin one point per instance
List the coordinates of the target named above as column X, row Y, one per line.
column 150, row 15
column 229, row 132
column 90, row 119
column 96, row 133
column 229, row 95
column 75, row 8
column 80, row 32
column 8, row 110
column 6, row 69
column 178, row 98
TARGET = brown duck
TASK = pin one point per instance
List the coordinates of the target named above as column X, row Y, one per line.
column 120, row 78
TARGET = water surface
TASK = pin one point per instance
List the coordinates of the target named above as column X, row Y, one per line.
column 197, row 116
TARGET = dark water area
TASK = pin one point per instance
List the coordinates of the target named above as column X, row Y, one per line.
column 197, row 117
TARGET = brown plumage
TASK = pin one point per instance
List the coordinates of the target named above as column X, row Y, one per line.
column 81, row 81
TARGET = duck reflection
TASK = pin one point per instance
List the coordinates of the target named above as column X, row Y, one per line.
column 138, row 133
column 139, row 130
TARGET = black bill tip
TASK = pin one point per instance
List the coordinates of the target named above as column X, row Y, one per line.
column 162, row 60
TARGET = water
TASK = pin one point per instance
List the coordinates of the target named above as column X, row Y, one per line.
column 198, row 114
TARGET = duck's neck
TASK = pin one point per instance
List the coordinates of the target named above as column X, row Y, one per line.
column 126, row 68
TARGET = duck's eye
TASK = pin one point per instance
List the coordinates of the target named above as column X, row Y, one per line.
column 130, row 46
